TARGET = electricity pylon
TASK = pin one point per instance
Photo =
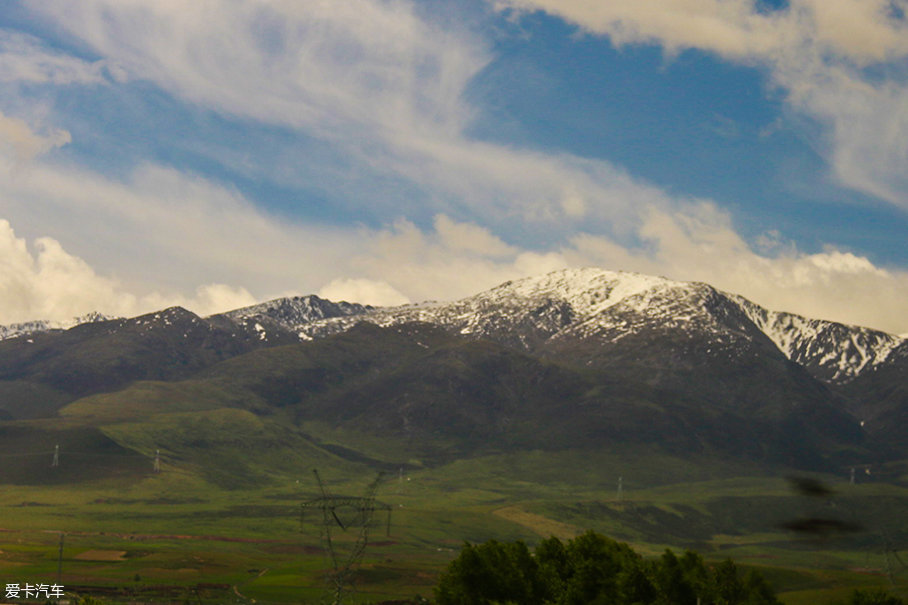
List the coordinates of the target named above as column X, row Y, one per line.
column 345, row 513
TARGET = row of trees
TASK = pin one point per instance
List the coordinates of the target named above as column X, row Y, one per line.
column 591, row 570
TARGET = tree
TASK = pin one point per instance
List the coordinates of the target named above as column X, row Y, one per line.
column 592, row 569
column 672, row 586
column 873, row 597
column 757, row 591
column 492, row 572
column 729, row 588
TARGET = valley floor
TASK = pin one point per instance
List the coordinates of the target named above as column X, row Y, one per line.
column 174, row 536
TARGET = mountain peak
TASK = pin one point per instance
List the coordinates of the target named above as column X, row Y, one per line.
column 276, row 321
column 607, row 306
column 578, row 303
column 590, row 289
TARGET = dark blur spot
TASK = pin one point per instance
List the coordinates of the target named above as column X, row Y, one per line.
column 821, row 527
column 810, row 487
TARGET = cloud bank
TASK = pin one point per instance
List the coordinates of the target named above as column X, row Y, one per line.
column 697, row 243
column 386, row 88
column 49, row 283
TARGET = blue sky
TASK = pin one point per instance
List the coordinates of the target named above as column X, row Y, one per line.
column 219, row 153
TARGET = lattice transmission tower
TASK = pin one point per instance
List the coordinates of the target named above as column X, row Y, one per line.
column 353, row 515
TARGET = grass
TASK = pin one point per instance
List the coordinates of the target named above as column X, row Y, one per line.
column 220, row 522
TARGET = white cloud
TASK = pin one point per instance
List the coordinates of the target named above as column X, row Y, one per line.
column 386, row 88
column 216, row 298
column 23, row 144
column 50, row 283
column 363, row 66
column 862, row 31
column 370, row 78
column 24, row 59
column 698, row 243
column 363, row 291
column 434, row 266
column 403, row 264
column 816, row 50
column 469, row 238
column 161, row 229
column 867, row 124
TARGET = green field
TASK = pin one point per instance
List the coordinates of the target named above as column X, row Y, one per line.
column 221, row 523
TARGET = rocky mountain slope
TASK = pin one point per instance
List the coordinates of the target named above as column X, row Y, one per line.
column 607, row 305
column 582, row 356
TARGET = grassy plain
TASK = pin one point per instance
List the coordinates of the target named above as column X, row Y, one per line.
column 220, row 523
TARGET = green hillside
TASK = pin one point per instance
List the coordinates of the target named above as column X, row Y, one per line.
column 477, row 441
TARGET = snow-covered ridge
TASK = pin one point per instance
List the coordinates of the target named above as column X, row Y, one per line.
column 552, row 302
column 577, row 304
column 589, row 302
column 546, row 303
column 272, row 318
column 43, row 325
column 833, row 351
column 293, row 311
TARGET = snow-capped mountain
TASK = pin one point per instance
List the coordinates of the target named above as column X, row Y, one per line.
column 538, row 361
column 609, row 306
column 43, row 325
column 588, row 304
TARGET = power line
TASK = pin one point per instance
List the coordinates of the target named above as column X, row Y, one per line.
column 355, row 513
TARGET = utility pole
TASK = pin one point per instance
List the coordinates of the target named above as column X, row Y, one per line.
column 60, row 561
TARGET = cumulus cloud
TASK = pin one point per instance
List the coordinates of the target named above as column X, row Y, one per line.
column 469, row 238
column 404, row 263
column 49, row 283
column 698, row 243
column 819, row 51
column 701, row 244
column 161, row 229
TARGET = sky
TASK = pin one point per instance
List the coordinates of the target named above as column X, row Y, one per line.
column 217, row 153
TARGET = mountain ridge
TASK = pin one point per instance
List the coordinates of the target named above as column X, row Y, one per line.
column 44, row 325
column 582, row 356
column 832, row 351
column 580, row 302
